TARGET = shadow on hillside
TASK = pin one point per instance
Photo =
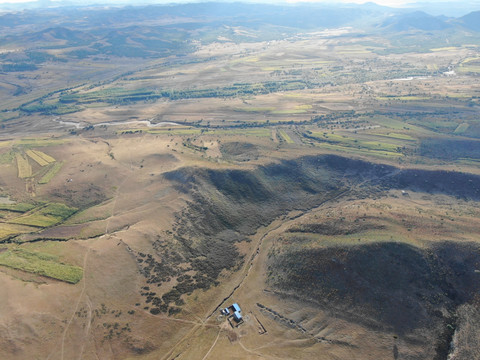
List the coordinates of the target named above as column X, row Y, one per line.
column 400, row 286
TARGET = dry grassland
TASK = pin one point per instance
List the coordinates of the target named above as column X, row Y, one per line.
column 114, row 174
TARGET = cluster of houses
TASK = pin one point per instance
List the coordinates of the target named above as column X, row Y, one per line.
column 233, row 312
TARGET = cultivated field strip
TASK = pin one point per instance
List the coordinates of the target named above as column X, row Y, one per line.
column 38, row 159
column 23, row 166
column 44, row 156
column 51, row 173
column 42, row 264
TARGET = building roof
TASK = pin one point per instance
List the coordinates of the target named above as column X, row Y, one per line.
column 236, row 308
column 237, row 316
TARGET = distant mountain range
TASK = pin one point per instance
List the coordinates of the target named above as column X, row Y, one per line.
column 446, row 8
column 471, row 21
column 162, row 30
column 418, row 20
column 294, row 16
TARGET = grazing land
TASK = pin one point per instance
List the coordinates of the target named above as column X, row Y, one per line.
column 318, row 165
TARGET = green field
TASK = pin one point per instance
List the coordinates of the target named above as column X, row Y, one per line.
column 461, row 128
column 289, row 112
column 54, row 169
column 10, row 230
column 285, row 137
column 176, row 131
column 39, row 142
column 23, row 166
column 45, row 216
column 40, row 264
column 7, row 157
column 396, row 124
column 260, row 132
column 396, row 136
column 44, row 156
column 38, row 159
column 251, row 131
column 20, row 207
column 37, row 220
column 470, row 69
column 359, row 146
column 8, row 116
column 359, row 151
column 404, row 98
column 255, row 109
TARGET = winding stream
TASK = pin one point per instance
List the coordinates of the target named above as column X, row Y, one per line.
column 148, row 123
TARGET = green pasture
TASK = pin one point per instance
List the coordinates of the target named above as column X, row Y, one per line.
column 344, row 143
column 48, row 215
column 404, row 98
column 395, row 124
column 20, row 207
column 40, row 264
column 261, row 132
column 255, row 109
column 461, row 128
column 39, row 142
column 285, row 136
column 9, row 230
column 50, row 174
column 359, row 151
column 396, row 136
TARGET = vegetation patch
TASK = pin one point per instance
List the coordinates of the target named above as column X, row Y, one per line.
column 404, row 98
column 45, row 216
column 450, row 149
column 20, row 207
column 255, row 109
column 361, row 278
column 38, row 159
column 50, row 108
column 44, row 156
column 50, row 174
column 112, row 95
column 335, row 227
column 7, row 157
column 36, row 219
column 23, row 166
column 39, row 142
column 285, row 136
column 289, row 111
column 347, row 141
column 348, row 150
column 239, row 151
column 11, row 230
column 41, row 264
column 70, row 102
column 397, row 136
column 471, row 65
column 461, row 128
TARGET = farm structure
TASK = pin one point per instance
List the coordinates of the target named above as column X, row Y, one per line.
column 233, row 312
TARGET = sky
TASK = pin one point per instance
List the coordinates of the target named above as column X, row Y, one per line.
column 380, row 2
column 393, row 3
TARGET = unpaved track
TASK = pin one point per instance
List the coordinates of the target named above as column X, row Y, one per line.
column 213, row 345
column 87, row 327
column 79, row 299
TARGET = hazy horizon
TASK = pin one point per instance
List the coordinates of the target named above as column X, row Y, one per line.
column 397, row 3
column 450, row 8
